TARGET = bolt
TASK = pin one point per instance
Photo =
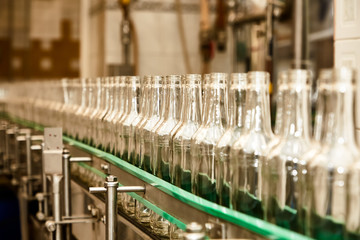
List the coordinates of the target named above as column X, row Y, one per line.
column 50, row 225
column 111, row 178
column 194, row 227
column 66, row 151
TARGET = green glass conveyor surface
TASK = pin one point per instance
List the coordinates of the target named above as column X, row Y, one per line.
column 255, row 225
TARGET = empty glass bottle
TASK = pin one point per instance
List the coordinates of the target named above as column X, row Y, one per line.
column 181, row 143
column 203, row 144
column 162, row 134
column 122, row 101
column 83, row 105
column 91, row 99
column 133, row 90
column 249, row 150
column 283, row 162
column 140, row 121
column 146, row 137
column 237, row 93
column 113, row 111
column 119, row 141
column 100, row 124
column 90, row 123
column 329, row 170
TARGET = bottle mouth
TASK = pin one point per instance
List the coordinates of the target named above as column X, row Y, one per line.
column 191, row 79
column 157, row 81
column 238, row 79
column 298, row 78
column 134, row 80
column 258, row 78
column 218, row 78
column 337, row 79
column 173, row 79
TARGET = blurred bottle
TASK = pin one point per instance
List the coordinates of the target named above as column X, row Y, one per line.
column 331, row 192
column 122, row 101
column 237, row 93
column 181, row 143
column 139, row 122
column 249, row 151
column 284, row 200
column 162, row 134
column 90, row 123
column 133, row 90
column 90, row 107
column 100, row 124
column 146, row 137
column 113, row 111
column 80, row 111
column 203, row 144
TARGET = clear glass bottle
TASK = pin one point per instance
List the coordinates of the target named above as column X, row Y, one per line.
column 119, row 123
column 203, row 153
column 133, row 89
column 162, row 135
column 248, row 152
column 102, row 100
column 100, row 118
column 329, row 170
column 283, row 160
column 90, row 123
column 181, row 143
column 88, row 111
column 237, row 94
column 83, row 105
column 122, row 100
column 140, row 121
column 146, row 137
column 113, row 111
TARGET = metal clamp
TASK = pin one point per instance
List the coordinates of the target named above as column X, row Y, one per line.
column 111, row 187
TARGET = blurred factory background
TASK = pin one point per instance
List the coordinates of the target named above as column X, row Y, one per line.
column 42, row 39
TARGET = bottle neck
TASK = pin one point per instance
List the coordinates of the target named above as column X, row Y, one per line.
column 172, row 109
column 116, row 97
column 192, row 103
column 236, row 106
column 111, row 97
column 339, row 118
column 133, row 99
column 259, row 110
column 145, row 101
column 84, row 96
column 156, row 102
column 217, row 108
column 296, row 112
column 91, row 96
column 122, row 98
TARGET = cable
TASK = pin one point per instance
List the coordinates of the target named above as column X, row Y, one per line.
column 182, row 37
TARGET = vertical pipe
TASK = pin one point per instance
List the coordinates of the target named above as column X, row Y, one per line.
column 56, row 181
column 111, row 207
column 67, row 191
column 44, row 185
column 301, row 45
column 28, row 164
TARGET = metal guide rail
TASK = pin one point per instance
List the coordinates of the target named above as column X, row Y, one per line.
column 177, row 206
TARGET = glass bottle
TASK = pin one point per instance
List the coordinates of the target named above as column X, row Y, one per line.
column 248, row 152
column 102, row 114
column 133, row 89
column 90, row 124
column 162, row 135
column 122, row 95
column 204, row 143
column 81, row 109
column 237, row 93
column 119, row 122
column 140, row 121
column 283, row 162
column 145, row 139
column 181, row 143
column 113, row 111
column 91, row 90
column 329, row 170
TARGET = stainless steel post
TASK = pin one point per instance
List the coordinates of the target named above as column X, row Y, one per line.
column 28, row 165
column 111, row 207
column 56, row 189
column 111, row 188
column 67, row 190
column 44, row 186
